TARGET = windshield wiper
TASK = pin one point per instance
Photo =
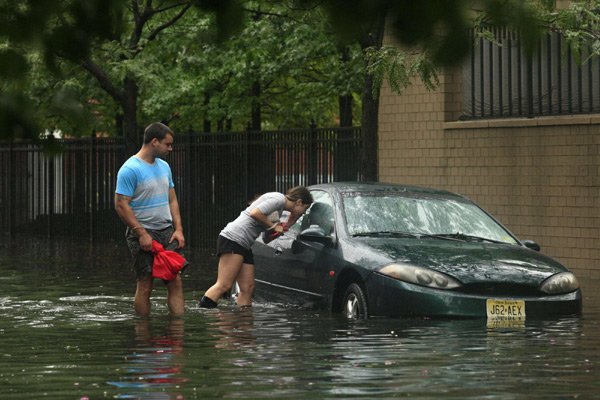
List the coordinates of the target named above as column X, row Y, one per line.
column 387, row 233
column 441, row 236
column 461, row 237
column 465, row 238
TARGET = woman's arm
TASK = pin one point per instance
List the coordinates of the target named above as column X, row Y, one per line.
column 262, row 219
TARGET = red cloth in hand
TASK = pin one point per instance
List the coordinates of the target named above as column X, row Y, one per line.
column 270, row 235
column 167, row 263
column 276, row 234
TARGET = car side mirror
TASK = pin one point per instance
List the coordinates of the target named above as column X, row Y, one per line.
column 530, row 244
column 315, row 233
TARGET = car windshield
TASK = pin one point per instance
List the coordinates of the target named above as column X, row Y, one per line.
column 403, row 214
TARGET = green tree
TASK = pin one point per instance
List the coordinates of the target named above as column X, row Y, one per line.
column 283, row 64
column 123, row 67
column 280, row 71
column 81, row 30
column 106, row 38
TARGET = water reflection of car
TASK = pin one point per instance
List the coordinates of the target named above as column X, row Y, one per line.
column 387, row 250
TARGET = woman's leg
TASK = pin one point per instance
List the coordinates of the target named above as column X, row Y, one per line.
column 245, row 281
column 230, row 265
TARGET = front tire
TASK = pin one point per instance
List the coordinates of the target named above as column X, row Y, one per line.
column 354, row 305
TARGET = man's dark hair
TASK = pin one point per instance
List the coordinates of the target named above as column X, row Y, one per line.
column 156, row 130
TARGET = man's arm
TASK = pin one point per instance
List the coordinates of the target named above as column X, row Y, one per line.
column 126, row 213
column 174, row 207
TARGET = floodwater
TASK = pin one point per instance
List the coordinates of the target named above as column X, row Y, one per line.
column 68, row 331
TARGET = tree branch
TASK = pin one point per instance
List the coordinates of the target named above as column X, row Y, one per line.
column 136, row 11
column 159, row 9
column 102, row 79
column 259, row 13
column 164, row 26
column 148, row 13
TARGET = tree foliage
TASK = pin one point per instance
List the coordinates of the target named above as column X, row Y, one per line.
column 109, row 64
column 167, row 61
column 290, row 57
column 579, row 23
column 400, row 68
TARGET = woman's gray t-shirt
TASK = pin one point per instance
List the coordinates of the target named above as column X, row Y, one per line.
column 245, row 229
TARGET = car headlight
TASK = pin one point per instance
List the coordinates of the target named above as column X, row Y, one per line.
column 420, row 276
column 564, row 282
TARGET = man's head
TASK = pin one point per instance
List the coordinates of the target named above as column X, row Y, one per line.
column 159, row 137
column 156, row 130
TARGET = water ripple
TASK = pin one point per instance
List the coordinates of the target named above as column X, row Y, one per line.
column 74, row 335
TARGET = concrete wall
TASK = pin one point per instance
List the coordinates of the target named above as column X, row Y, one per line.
column 538, row 176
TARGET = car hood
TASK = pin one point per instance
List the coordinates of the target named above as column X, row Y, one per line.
column 469, row 262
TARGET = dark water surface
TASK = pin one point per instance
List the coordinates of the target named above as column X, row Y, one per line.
column 68, row 331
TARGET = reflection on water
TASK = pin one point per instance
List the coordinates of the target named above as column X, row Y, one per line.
column 235, row 329
column 68, row 331
column 156, row 362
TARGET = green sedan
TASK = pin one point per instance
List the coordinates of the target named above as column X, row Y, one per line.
column 371, row 249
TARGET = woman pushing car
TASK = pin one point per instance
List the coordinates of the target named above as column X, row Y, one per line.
column 236, row 262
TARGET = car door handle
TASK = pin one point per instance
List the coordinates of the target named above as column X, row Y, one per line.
column 278, row 251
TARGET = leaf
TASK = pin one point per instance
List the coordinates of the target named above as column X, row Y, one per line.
column 13, row 66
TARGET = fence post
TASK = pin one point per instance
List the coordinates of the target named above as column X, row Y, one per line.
column 188, row 185
column 93, row 173
column 51, row 183
column 9, row 210
column 312, row 154
column 529, row 86
column 247, row 161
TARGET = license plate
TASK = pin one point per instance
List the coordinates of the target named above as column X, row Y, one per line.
column 506, row 310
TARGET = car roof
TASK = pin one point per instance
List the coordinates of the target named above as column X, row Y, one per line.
column 347, row 187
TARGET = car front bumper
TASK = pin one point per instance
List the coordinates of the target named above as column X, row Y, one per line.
column 391, row 297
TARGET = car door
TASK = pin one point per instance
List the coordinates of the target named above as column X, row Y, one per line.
column 277, row 272
column 300, row 260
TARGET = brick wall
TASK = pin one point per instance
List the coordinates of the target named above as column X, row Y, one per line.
column 538, row 176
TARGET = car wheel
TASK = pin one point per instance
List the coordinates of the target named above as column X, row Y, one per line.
column 354, row 305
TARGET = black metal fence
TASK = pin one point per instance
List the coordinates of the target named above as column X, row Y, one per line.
column 501, row 80
column 71, row 194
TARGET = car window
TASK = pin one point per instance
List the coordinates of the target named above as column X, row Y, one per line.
column 420, row 215
column 320, row 213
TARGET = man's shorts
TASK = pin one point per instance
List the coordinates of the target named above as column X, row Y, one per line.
column 226, row 246
column 143, row 260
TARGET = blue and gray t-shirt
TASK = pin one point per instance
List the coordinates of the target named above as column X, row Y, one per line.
column 148, row 186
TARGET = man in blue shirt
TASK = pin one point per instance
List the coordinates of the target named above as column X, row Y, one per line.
column 145, row 200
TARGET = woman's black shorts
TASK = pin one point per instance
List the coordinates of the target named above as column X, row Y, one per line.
column 226, row 246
